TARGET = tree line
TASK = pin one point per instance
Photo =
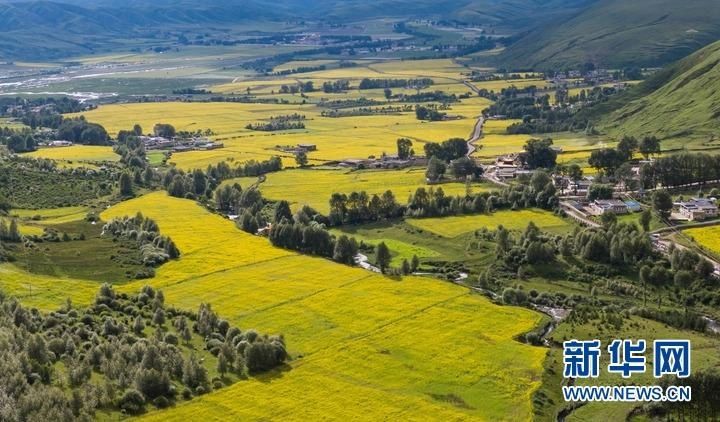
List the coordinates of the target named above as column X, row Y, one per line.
column 367, row 83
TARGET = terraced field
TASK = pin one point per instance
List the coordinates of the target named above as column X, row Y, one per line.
column 511, row 220
column 313, row 187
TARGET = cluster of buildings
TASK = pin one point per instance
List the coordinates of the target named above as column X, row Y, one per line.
column 613, row 206
column 179, row 145
column 384, row 162
column 695, row 209
column 298, row 149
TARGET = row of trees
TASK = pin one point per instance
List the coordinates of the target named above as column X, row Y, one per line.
column 463, row 168
column 420, row 83
column 681, row 169
column 359, row 207
column 196, row 183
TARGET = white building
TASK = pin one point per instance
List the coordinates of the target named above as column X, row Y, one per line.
column 698, row 209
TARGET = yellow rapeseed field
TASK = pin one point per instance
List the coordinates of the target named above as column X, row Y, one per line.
column 336, row 138
column 511, row 220
column 79, row 154
column 708, row 237
column 366, row 347
column 313, row 187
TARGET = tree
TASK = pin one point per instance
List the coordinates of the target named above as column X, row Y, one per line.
column 345, row 250
column 222, row 364
column 13, row 232
column 645, row 219
column 138, row 325
column 464, row 167
column 645, row 279
column 404, row 148
column 662, row 203
column 137, row 130
column 301, row 158
column 607, row 159
column 282, row 211
column 132, row 401
column 159, row 317
column 683, row 279
column 405, row 267
column 126, row 185
column 650, row 145
column 600, row 191
column 165, row 130
column 435, row 170
column 539, row 180
column 502, row 239
column 388, row 93
column 627, row 146
column 415, row 263
column 539, row 153
column 575, row 172
column 383, row 257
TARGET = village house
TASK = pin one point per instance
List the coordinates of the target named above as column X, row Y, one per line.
column 308, row 147
column 59, row 144
column 605, row 206
column 508, row 166
column 697, row 209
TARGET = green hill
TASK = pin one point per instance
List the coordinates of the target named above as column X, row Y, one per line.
column 54, row 29
column 680, row 102
column 617, row 33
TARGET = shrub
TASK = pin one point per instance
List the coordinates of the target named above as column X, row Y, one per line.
column 132, row 401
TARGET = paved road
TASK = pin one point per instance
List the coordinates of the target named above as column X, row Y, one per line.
column 577, row 215
column 489, row 175
column 476, row 135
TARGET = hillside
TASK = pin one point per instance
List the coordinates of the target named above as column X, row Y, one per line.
column 617, row 33
column 681, row 101
column 39, row 30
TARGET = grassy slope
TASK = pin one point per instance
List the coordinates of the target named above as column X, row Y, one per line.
column 682, row 101
column 614, row 33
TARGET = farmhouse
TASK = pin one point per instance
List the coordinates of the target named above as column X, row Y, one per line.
column 697, row 209
column 60, row 144
column 604, row 206
column 508, row 166
column 308, row 147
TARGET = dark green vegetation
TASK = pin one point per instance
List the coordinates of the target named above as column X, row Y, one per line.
column 125, row 353
column 155, row 249
column 31, row 183
column 64, row 251
column 618, row 33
